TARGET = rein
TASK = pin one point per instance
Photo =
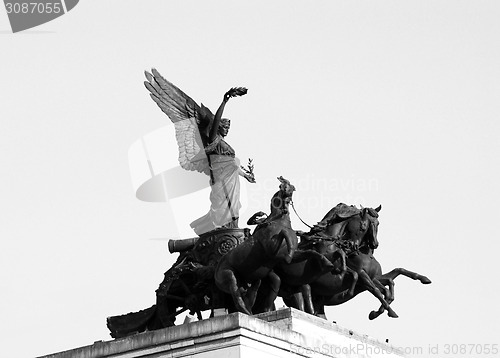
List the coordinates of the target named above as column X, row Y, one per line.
column 273, row 222
column 303, row 222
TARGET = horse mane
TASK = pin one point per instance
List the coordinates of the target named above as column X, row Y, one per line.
column 369, row 236
column 372, row 212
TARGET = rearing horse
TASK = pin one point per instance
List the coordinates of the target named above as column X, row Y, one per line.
column 240, row 271
column 361, row 230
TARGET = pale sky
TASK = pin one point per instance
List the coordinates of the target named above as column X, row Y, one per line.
column 363, row 102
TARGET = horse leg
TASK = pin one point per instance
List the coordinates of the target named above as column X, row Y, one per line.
column 274, row 287
column 370, row 286
column 347, row 294
column 343, row 262
column 307, row 298
column 355, row 278
column 375, row 314
column 319, row 308
column 388, row 293
column 295, row 300
column 218, row 302
column 251, row 294
column 388, row 279
column 226, row 281
column 402, row 271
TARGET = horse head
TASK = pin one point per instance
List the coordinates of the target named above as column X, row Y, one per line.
column 370, row 216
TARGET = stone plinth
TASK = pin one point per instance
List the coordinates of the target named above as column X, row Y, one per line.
column 284, row 333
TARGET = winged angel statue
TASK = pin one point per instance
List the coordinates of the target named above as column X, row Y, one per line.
column 200, row 137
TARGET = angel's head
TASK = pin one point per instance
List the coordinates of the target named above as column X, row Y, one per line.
column 224, row 126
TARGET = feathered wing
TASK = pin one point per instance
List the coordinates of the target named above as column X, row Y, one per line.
column 191, row 121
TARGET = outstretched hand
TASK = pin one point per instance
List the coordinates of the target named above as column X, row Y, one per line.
column 235, row 92
column 250, row 178
column 248, row 172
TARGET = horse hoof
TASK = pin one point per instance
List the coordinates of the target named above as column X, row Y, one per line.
column 392, row 314
column 372, row 315
column 425, row 280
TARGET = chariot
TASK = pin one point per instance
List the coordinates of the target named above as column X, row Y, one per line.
column 187, row 286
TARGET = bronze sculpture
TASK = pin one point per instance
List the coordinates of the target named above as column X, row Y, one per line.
column 200, row 137
column 190, row 283
column 273, row 241
column 229, row 268
column 357, row 227
column 187, row 286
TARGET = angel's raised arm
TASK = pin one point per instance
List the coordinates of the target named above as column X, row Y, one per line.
column 233, row 92
column 218, row 115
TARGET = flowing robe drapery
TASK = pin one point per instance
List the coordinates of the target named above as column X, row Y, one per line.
column 225, row 194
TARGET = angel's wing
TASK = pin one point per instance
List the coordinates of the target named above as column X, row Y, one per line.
column 191, row 121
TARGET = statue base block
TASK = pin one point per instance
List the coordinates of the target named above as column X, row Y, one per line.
column 283, row 333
